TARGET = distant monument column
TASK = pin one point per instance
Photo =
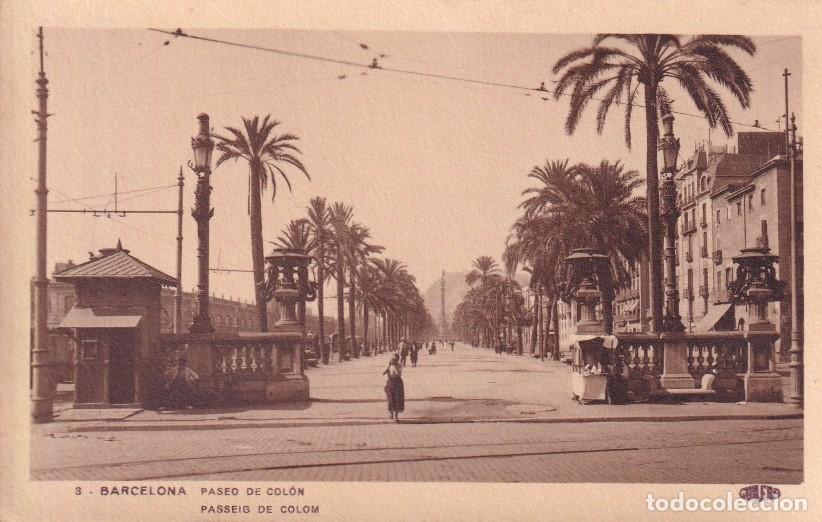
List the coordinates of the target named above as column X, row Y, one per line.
column 443, row 323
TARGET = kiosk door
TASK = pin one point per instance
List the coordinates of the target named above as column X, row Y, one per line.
column 90, row 380
column 121, row 366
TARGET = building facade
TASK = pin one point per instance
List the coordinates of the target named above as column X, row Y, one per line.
column 728, row 200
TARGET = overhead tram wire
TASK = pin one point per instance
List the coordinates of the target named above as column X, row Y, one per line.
column 375, row 66
column 70, row 199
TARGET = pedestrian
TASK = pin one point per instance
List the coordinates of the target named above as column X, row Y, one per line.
column 180, row 387
column 404, row 352
column 394, row 388
column 415, row 350
column 452, row 345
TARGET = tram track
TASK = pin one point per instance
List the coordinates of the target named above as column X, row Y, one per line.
column 193, row 467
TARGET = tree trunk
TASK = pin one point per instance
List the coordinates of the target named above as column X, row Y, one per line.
column 534, row 325
column 541, row 330
column 320, row 291
column 608, row 315
column 257, row 255
column 555, row 320
column 654, row 229
column 352, row 309
column 519, row 339
column 340, row 304
column 365, row 325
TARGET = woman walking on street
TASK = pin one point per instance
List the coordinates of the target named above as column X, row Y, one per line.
column 415, row 350
column 394, row 388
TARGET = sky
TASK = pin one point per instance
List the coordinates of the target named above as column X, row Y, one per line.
column 435, row 168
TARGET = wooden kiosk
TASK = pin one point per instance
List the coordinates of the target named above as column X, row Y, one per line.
column 115, row 327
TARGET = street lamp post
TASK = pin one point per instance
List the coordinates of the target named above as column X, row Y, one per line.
column 202, row 212
column 41, row 384
column 796, row 396
column 287, row 282
column 669, row 212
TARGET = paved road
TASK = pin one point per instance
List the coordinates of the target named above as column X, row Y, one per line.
column 678, row 452
column 467, row 384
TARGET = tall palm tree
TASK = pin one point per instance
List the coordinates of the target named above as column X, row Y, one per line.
column 357, row 251
column 597, row 210
column 340, row 218
column 266, row 153
column 617, row 64
column 367, row 288
column 484, row 266
column 396, row 282
column 319, row 220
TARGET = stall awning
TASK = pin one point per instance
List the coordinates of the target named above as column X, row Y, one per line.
column 714, row 315
column 100, row 318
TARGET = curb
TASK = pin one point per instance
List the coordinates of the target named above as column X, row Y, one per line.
column 115, row 426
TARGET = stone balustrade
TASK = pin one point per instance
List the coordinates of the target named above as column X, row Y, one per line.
column 241, row 367
column 739, row 360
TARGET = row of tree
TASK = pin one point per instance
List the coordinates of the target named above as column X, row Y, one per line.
column 573, row 206
column 382, row 288
column 372, row 287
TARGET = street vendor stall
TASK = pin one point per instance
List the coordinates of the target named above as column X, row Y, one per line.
column 595, row 376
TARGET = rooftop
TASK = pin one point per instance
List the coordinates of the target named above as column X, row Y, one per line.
column 114, row 263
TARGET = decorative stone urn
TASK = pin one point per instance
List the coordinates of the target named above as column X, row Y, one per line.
column 755, row 286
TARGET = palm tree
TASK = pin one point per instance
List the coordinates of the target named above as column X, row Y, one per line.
column 618, row 69
column 265, row 152
column 319, row 220
column 357, row 251
column 340, row 217
column 367, row 290
column 396, row 282
column 484, row 266
column 597, row 210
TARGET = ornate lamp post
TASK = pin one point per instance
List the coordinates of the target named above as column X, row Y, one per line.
column 756, row 285
column 669, row 212
column 287, row 282
column 202, row 212
column 582, row 286
column 796, row 365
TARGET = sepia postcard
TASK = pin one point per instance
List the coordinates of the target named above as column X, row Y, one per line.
column 423, row 261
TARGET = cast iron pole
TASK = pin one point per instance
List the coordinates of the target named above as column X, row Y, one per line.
column 796, row 365
column 178, row 296
column 41, row 396
column 202, row 213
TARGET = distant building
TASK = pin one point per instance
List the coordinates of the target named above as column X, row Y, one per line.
column 632, row 303
column 730, row 201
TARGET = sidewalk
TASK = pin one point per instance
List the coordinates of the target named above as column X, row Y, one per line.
column 466, row 385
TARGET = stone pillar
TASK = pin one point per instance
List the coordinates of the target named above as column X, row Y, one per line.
column 675, row 362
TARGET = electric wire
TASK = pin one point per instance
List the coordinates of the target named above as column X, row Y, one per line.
column 375, row 66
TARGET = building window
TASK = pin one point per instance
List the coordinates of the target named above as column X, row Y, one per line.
column 89, row 349
column 762, row 197
column 68, row 302
column 750, row 202
column 718, row 221
column 739, row 208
